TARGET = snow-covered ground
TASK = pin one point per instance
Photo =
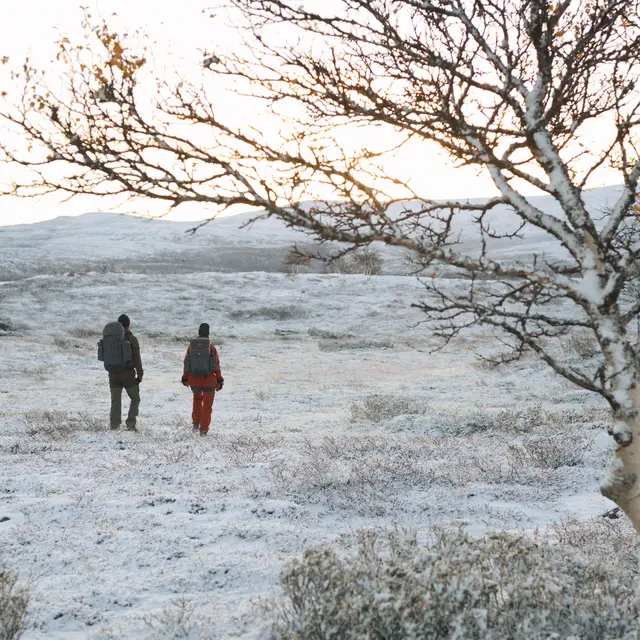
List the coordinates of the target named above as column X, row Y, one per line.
column 335, row 417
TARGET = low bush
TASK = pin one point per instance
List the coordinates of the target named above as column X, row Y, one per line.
column 13, row 607
column 584, row 346
column 11, row 328
column 551, row 452
column 86, row 332
column 364, row 475
column 378, row 408
column 6, row 326
column 354, row 345
column 366, row 262
column 247, row 448
column 177, row 620
column 66, row 344
column 612, row 539
column 520, row 420
column 277, row 312
column 499, row 587
column 314, row 332
column 60, row 424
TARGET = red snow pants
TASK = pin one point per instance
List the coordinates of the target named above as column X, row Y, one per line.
column 202, row 407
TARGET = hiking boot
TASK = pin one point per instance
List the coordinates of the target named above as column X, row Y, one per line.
column 131, row 427
column 204, row 433
column 114, row 427
column 196, row 426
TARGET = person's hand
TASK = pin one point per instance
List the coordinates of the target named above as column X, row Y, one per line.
column 219, row 385
column 185, row 381
column 139, row 377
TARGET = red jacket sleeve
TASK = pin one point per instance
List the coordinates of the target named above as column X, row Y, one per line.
column 214, row 351
column 185, row 371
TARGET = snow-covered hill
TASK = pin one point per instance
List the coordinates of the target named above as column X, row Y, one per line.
column 120, row 236
column 108, row 241
column 99, row 239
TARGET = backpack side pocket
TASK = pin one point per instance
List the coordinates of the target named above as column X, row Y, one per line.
column 127, row 353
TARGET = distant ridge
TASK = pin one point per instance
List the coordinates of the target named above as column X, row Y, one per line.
column 112, row 241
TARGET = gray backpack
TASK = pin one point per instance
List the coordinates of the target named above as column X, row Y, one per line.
column 201, row 362
column 114, row 350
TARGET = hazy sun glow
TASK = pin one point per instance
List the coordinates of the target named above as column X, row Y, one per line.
column 32, row 29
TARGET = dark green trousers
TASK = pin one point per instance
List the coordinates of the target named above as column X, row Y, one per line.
column 116, row 405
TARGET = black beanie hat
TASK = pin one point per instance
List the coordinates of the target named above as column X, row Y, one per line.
column 124, row 320
column 203, row 330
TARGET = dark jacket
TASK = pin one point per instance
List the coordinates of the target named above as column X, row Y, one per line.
column 128, row 377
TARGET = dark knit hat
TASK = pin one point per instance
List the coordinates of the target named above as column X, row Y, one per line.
column 203, row 330
column 124, row 320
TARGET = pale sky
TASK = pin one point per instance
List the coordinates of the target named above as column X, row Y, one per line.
column 31, row 27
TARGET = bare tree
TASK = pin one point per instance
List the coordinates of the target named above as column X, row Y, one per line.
column 511, row 87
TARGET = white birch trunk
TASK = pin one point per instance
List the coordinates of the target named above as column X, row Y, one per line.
column 622, row 484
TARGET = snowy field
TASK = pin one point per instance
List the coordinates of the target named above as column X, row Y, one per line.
column 334, row 417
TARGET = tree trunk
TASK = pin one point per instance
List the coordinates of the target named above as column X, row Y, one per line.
column 622, row 483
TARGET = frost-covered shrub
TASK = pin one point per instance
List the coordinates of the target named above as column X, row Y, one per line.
column 180, row 338
column 10, row 327
column 6, row 326
column 385, row 407
column 13, row 607
column 354, row 345
column 483, row 364
column 612, row 539
column 481, row 420
column 67, row 344
column 471, row 422
column 584, row 346
column 60, row 424
column 361, row 474
column 276, row 312
column 366, row 262
column 551, row 452
column 86, row 332
column 500, row 587
column 247, row 448
column 520, row 419
column 314, row 332
column 340, row 341
column 179, row 620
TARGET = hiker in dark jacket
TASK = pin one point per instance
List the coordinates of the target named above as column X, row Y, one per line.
column 202, row 373
column 129, row 380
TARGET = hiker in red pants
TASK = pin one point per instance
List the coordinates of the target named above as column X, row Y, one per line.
column 202, row 373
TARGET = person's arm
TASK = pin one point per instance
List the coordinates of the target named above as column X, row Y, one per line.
column 185, row 370
column 219, row 377
column 137, row 360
